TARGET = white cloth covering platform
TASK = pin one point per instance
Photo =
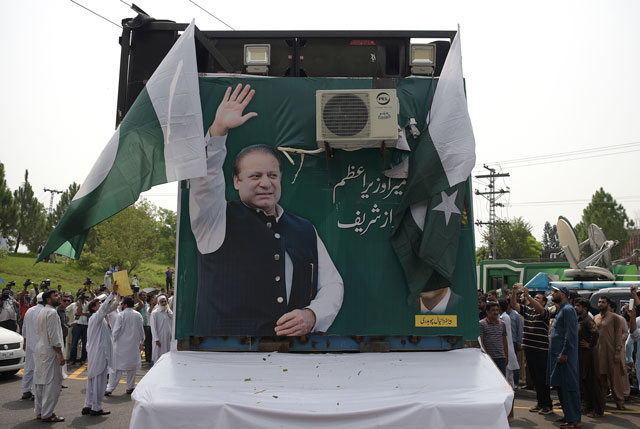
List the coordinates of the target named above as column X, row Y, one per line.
column 454, row 389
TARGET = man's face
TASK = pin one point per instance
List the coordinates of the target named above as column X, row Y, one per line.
column 54, row 299
column 65, row 301
column 556, row 296
column 580, row 310
column 481, row 303
column 540, row 298
column 143, row 296
column 603, row 305
column 258, row 181
column 162, row 302
column 494, row 312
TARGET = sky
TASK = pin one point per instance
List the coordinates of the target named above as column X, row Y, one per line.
column 553, row 88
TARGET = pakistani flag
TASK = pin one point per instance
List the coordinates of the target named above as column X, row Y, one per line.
column 160, row 140
column 428, row 220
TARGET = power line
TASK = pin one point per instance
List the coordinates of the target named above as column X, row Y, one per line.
column 492, row 195
column 626, row 199
column 218, row 19
column 531, row 160
column 95, row 13
column 573, row 152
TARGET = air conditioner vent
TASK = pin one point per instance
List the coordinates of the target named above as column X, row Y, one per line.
column 346, row 115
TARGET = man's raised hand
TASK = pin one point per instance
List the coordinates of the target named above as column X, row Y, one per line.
column 229, row 114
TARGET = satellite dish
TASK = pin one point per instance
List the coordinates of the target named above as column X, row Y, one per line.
column 567, row 237
column 596, row 240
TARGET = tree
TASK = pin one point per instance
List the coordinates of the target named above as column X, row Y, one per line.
column 605, row 212
column 514, row 240
column 63, row 204
column 31, row 222
column 126, row 238
column 166, row 226
column 550, row 237
column 482, row 253
column 8, row 207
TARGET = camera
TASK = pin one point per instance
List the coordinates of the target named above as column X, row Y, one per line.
column 135, row 289
column 11, row 284
column 45, row 283
column 88, row 281
column 27, row 282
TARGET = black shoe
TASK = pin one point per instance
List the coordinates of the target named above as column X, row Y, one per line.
column 64, row 387
column 99, row 413
column 107, row 393
column 130, row 391
column 27, row 395
column 545, row 411
column 86, row 410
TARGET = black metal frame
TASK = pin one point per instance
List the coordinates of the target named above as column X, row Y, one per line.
column 207, row 40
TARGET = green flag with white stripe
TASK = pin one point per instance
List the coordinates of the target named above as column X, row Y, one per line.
column 428, row 219
column 160, row 140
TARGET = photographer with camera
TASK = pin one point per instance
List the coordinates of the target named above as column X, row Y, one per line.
column 9, row 309
column 80, row 325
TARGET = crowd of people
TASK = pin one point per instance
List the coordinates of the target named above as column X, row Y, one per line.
column 552, row 341
column 96, row 326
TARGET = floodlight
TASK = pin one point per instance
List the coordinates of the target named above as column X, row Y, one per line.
column 422, row 59
column 257, row 58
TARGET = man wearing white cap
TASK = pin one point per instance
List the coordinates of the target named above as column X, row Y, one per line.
column 29, row 345
column 100, row 351
column 161, row 321
column 128, row 341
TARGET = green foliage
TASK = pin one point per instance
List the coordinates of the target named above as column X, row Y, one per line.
column 8, row 207
column 71, row 275
column 514, row 240
column 166, row 228
column 550, row 237
column 482, row 253
column 126, row 238
column 605, row 212
column 31, row 224
column 142, row 232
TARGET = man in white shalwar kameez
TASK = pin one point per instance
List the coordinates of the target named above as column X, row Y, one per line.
column 128, row 341
column 30, row 340
column 49, row 359
column 100, row 350
column 161, row 321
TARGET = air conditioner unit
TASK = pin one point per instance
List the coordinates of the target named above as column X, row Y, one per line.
column 358, row 118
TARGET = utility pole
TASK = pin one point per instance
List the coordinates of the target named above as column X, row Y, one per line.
column 53, row 192
column 492, row 195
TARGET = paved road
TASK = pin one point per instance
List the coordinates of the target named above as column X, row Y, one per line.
column 630, row 418
column 15, row 413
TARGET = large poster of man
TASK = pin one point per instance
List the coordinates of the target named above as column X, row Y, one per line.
column 273, row 245
column 262, row 270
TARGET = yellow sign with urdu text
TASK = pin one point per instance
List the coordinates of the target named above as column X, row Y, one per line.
column 124, row 288
column 436, row 321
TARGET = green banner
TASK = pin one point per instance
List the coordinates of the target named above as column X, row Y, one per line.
column 349, row 201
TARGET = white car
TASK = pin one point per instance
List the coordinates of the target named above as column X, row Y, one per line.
column 11, row 353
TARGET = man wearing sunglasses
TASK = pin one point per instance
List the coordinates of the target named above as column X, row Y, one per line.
column 65, row 301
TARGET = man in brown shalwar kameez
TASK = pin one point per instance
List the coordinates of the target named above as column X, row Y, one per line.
column 609, row 349
column 590, row 389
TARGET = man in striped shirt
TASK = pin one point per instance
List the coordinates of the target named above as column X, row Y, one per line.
column 535, row 343
column 493, row 336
